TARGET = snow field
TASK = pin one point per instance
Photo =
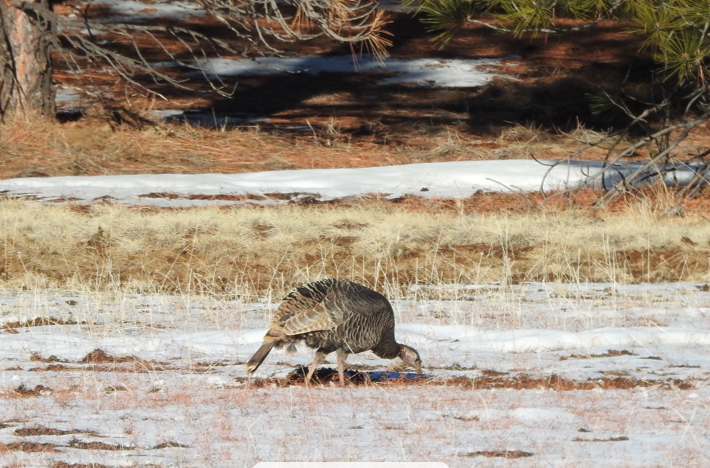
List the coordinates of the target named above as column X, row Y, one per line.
column 455, row 180
column 634, row 367
column 188, row 424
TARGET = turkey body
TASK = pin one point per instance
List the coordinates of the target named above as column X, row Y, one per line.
column 339, row 316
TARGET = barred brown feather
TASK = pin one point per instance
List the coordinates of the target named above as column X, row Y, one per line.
column 335, row 315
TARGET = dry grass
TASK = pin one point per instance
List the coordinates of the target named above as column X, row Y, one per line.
column 255, row 251
column 100, row 147
column 96, row 146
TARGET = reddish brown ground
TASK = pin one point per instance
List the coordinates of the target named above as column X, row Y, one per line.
column 552, row 73
column 489, row 380
column 327, row 376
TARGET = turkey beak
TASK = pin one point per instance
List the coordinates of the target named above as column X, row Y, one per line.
column 418, row 367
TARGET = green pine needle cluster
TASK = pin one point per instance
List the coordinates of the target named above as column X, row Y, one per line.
column 446, row 18
column 676, row 30
column 528, row 14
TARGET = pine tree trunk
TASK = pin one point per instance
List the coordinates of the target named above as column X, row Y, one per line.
column 25, row 60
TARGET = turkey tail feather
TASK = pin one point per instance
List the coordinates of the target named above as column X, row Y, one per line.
column 259, row 356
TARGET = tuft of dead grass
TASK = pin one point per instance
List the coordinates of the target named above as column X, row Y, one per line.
column 525, row 133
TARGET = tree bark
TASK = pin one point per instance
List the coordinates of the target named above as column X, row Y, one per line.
column 25, row 60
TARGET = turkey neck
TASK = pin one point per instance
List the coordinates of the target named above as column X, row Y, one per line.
column 387, row 348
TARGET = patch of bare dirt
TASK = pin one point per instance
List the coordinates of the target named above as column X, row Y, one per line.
column 28, row 447
column 489, row 380
column 554, row 382
column 169, row 445
column 42, row 431
column 37, row 322
column 98, row 356
column 99, row 361
column 610, row 353
column 48, row 447
column 79, row 465
column 36, row 391
column 610, row 439
column 95, row 445
column 499, row 454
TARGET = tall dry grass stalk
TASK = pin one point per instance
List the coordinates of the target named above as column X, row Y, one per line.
column 250, row 251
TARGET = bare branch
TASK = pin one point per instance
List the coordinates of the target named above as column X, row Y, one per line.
column 256, row 23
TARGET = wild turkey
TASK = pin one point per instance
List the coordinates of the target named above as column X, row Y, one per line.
column 335, row 315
